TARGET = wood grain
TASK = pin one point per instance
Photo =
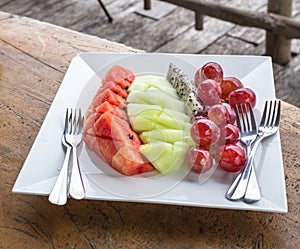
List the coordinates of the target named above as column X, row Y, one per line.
column 34, row 57
column 278, row 46
column 269, row 21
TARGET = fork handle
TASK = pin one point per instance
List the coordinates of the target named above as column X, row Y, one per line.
column 253, row 193
column 59, row 193
column 76, row 190
column 240, row 188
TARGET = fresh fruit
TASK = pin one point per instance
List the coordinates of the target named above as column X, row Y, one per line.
column 161, row 122
column 119, row 75
column 106, row 128
column 153, row 97
column 210, row 70
column 221, row 114
column 205, row 132
column 231, row 113
column 166, row 158
column 186, row 90
column 194, row 105
column 231, row 157
column 210, row 93
column 168, row 135
column 180, row 81
column 125, row 156
column 232, row 134
column 134, row 109
column 241, row 96
column 143, row 83
column 199, row 159
column 230, row 84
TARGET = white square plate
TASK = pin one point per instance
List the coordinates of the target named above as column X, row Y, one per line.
column 81, row 82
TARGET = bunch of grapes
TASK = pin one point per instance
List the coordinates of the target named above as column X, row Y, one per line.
column 215, row 132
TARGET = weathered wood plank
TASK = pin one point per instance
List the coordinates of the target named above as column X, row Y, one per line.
column 193, row 41
column 287, row 81
column 124, row 20
column 169, row 28
column 278, row 46
column 57, row 37
column 271, row 22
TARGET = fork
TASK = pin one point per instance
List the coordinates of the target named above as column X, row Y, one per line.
column 74, row 138
column 269, row 125
column 59, row 193
column 247, row 125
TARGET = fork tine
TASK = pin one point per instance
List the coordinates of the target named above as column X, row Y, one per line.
column 270, row 112
column 263, row 117
column 66, row 121
column 276, row 124
column 242, row 117
column 246, row 116
column 253, row 123
column 80, row 122
column 238, row 121
column 272, row 122
column 74, row 123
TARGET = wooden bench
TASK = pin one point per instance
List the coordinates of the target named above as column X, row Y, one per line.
column 280, row 27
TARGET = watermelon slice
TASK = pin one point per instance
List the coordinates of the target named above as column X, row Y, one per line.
column 120, row 76
column 107, row 131
column 117, row 89
column 109, row 96
column 108, row 107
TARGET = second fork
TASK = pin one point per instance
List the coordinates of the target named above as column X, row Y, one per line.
column 247, row 125
column 74, row 138
column 268, row 126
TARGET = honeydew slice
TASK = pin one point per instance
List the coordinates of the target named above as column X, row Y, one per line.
column 153, row 80
column 155, row 97
column 141, row 121
column 141, row 86
column 164, row 135
column 134, row 109
column 138, row 109
column 165, row 157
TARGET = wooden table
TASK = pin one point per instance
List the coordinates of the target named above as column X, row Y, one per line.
column 34, row 57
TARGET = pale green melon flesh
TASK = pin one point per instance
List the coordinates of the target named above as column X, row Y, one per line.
column 141, row 86
column 165, row 157
column 155, row 97
column 157, row 114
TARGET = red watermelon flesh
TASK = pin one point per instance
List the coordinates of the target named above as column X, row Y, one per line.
column 129, row 156
column 119, row 75
column 106, row 149
column 107, row 107
column 109, row 96
column 113, row 127
column 107, row 131
column 115, row 88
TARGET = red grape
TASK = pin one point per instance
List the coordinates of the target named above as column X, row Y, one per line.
column 241, row 96
column 221, row 114
column 231, row 157
column 230, row 84
column 232, row 134
column 231, row 113
column 205, row 132
column 210, row 93
column 199, row 159
column 210, row 70
column 218, row 114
